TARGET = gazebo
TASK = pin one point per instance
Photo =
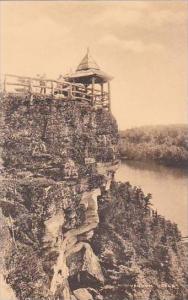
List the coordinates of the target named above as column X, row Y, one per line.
column 95, row 82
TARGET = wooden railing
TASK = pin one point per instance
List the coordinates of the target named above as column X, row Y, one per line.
column 35, row 85
column 58, row 89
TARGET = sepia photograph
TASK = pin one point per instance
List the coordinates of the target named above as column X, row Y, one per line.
column 94, row 150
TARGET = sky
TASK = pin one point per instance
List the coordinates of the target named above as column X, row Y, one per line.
column 142, row 44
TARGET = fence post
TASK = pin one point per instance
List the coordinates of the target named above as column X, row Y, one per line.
column 30, row 86
column 4, row 87
column 52, row 88
column 109, row 97
column 70, row 91
column 93, row 85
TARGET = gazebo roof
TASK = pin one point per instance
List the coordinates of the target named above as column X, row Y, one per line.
column 86, row 70
column 87, row 63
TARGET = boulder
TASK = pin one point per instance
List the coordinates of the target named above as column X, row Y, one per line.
column 82, row 294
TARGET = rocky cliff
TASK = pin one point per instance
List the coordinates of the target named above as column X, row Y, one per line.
column 54, row 153
column 76, row 234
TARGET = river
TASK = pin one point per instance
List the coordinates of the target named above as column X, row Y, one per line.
column 168, row 186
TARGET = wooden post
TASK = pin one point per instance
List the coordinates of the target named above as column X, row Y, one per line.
column 4, row 87
column 86, row 91
column 52, row 88
column 70, row 91
column 109, row 96
column 102, row 92
column 93, row 85
column 30, row 86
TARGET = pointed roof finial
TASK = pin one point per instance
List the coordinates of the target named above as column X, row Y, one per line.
column 87, row 63
column 86, row 70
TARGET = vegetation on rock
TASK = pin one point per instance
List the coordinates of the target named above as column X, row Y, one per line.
column 141, row 253
column 51, row 206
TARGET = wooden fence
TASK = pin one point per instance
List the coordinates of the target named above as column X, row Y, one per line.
column 58, row 89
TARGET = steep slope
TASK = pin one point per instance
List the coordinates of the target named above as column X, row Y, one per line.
column 49, row 193
column 141, row 253
column 75, row 233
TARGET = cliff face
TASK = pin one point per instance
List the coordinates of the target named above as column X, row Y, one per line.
column 52, row 155
column 75, row 233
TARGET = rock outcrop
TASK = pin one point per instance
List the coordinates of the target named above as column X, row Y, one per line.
column 76, row 234
column 49, row 194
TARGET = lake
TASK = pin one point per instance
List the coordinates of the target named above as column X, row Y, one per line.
column 168, row 186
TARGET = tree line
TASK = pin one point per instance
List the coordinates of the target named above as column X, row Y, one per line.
column 165, row 144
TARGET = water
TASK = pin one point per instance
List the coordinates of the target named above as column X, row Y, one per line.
column 168, row 186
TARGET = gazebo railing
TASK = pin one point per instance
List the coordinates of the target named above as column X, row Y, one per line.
column 47, row 87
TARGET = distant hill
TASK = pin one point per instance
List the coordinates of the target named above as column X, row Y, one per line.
column 166, row 144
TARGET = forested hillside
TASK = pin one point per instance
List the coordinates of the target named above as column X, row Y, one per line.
column 165, row 144
column 141, row 253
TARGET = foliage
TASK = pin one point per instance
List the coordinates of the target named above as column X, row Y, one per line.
column 137, row 246
column 165, row 144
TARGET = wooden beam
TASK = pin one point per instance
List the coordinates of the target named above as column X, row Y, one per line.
column 52, row 88
column 93, row 85
column 70, row 91
column 102, row 91
column 4, row 87
column 18, row 84
column 109, row 96
column 31, row 78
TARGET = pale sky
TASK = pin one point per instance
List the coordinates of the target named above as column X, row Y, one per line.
column 142, row 44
